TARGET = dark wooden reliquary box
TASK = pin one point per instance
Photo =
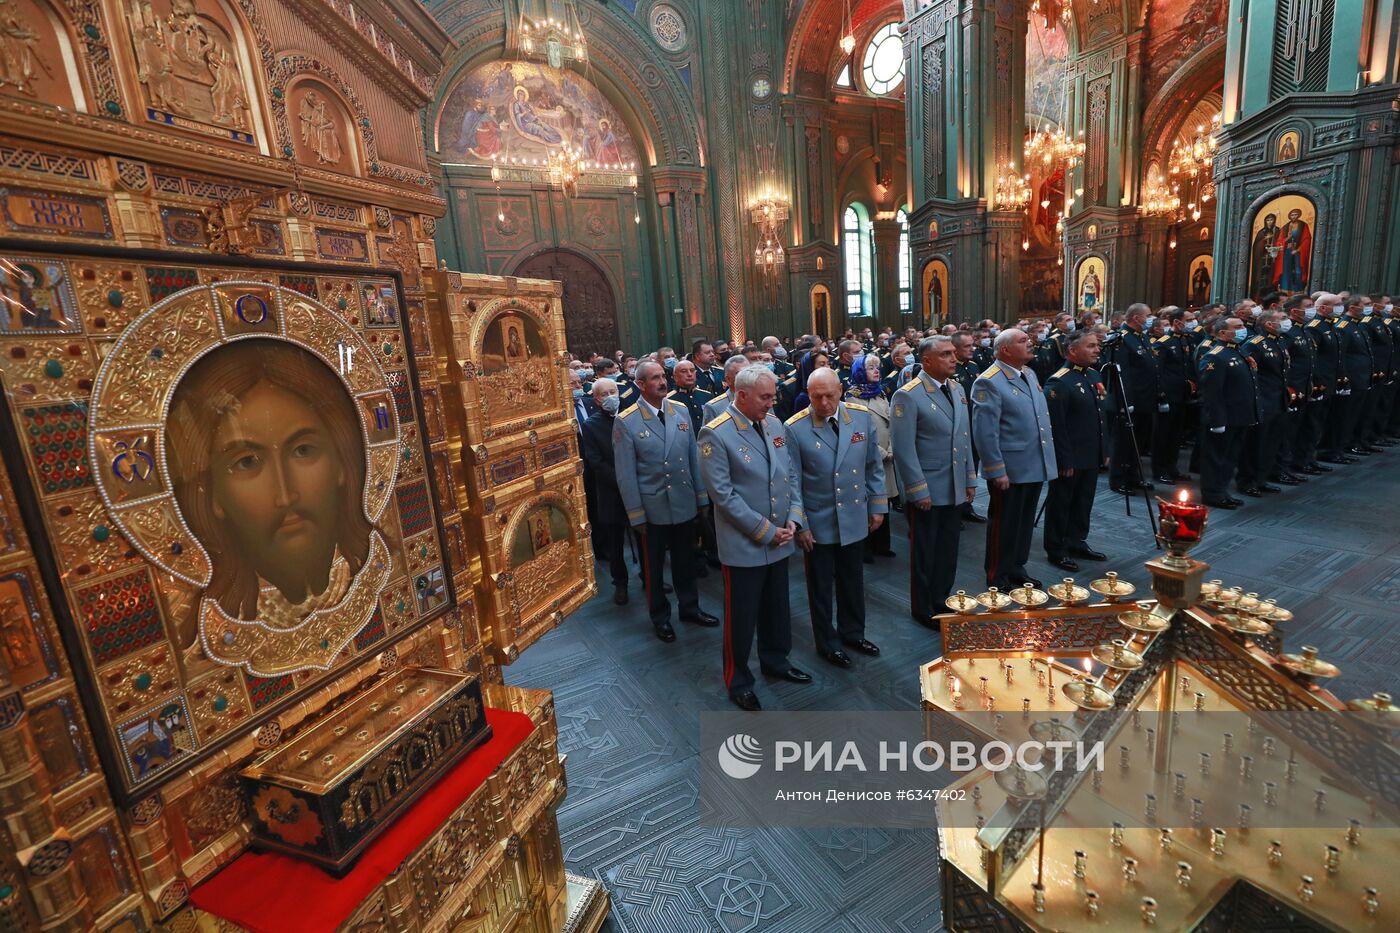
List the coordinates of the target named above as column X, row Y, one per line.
column 328, row 793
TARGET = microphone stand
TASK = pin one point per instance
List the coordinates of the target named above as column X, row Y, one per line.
column 1112, row 370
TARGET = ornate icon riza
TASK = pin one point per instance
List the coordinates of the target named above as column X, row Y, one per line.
column 246, row 440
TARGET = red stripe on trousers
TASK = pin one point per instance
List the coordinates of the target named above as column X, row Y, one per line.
column 995, row 497
column 646, row 569
column 728, row 611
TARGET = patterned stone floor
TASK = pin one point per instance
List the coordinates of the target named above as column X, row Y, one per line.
column 629, row 708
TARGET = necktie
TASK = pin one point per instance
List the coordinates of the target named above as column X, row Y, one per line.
column 831, row 423
column 661, row 416
column 758, row 426
column 947, row 393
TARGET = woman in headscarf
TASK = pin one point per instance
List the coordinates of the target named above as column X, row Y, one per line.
column 811, row 361
column 866, row 389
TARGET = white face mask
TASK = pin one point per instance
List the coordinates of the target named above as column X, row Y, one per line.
column 610, row 404
column 1069, row 327
column 1389, row 308
column 1309, row 313
column 1285, row 326
column 985, row 341
column 1191, row 325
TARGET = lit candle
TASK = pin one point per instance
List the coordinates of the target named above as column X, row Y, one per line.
column 1182, row 520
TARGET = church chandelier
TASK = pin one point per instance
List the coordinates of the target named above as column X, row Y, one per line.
column 768, row 214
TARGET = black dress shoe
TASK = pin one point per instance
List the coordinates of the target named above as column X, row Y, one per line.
column 1286, row 480
column 1088, row 553
column 1373, row 449
column 1145, row 485
column 1031, row 581
column 1252, row 491
column 704, row 618
column 838, row 658
column 864, row 646
column 746, row 701
column 868, row 558
column 793, row 674
column 1064, row 563
column 1168, row 480
column 886, row 554
column 1358, row 452
column 1121, row 490
column 1271, row 490
column 974, row 518
column 620, row 595
column 1311, row 470
column 1339, row 458
column 1222, row 503
column 665, row 632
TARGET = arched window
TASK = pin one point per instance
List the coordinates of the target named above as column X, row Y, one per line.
column 883, row 65
column 904, row 272
column 856, row 246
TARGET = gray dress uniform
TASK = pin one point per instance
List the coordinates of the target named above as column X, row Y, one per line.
column 748, row 466
column 662, row 488
column 718, row 406
column 843, row 485
column 1011, row 425
column 931, row 435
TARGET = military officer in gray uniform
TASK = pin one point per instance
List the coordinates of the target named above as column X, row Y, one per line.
column 757, row 496
column 931, row 436
column 843, row 492
column 721, row 402
column 659, row 478
column 1011, row 425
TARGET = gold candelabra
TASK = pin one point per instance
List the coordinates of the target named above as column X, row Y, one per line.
column 768, row 214
column 1013, row 190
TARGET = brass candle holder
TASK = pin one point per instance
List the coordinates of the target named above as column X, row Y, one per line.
column 1111, row 588
column 1308, row 664
column 1067, row 592
column 961, row 602
column 994, row 599
column 1028, row 596
column 1245, row 625
column 1117, row 655
column 1143, row 619
column 1086, row 694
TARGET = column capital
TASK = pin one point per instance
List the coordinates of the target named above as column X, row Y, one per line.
column 673, row 179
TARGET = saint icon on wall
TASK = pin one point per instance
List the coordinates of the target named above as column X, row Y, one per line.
column 1288, row 147
column 543, row 526
column 514, row 343
column 268, row 465
column 1090, row 275
column 318, row 129
column 1280, row 255
column 1091, row 289
column 1200, row 280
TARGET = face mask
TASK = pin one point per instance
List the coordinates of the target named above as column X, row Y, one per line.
column 780, row 353
column 1191, row 325
column 1069, row 327
column 670, row 364
column 1255, row 312
column 1241, row 335
column 1147, row 324
column 610, row 404
column 1041, row 336
column 1388, row 309
column 1285, row 326
column 1309, row 313
column 632, row 373
column 578, row 393
column 985, row 341
column 771, row 365
column 994, row 331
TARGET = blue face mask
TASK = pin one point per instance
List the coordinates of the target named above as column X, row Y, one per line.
column 610, row 404
column 1041, row 336
column 1147, row 324
column 1309, row 313
column 1241, row 335
column 1191, row 325
column 1285, row 325
column 578, row 393
column 771, row 365
column 670, row 364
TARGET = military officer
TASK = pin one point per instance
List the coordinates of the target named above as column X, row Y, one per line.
column 659, row 478
column 708, row 376
column 1229, row 406
column 1266, row 353
column 1372, row 433
column 1176, row 378
column 1074, row 395
column 627, row 392
column 774, row 348
column 720, row 403
column 931, row 436
column 837, row 454
column 1059, row 336
column 1392, row 425
column 687, row 393
column 1358, row 361
column 1011, row 426
column 1132, row 354
column 846, row 354
column 1329, row 372
column 1293, row 459
column 746, row 463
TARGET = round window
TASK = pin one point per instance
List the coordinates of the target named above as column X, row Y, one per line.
column 883, row 68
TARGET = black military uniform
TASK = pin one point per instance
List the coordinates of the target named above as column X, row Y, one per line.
column 1055, row 349
column 694, row 400
column 627, row 393
column 1302, row 357
column 983, row 357
column 711, row 380
column 1043, row 362
column 1174, row 379
column 1392, row 425
column 1321, row 440
column 1074, row 395
column 1359, row 366
column 1137, row 365
column 1229, row 406
column 610, row 525
column 1382, row 383
column 1260, row 449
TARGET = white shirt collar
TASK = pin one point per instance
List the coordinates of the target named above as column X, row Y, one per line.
column 650, row 407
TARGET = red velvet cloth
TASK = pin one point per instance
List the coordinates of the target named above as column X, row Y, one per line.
column 268, row 892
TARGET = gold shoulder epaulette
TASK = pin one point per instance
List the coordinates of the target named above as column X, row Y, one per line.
column 672, row 393
column 909, row 385
column 856, row 406
column 716, row 422
column 990, row 371
column 1162, row 338
column 1059, row 372
column 1313, row 323
column 1257, row 339
column 631, row 411
column 797, row 417
column 1215, row 349
column 1344, row 323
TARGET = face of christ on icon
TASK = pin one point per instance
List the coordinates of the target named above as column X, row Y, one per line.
column 267, row 459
